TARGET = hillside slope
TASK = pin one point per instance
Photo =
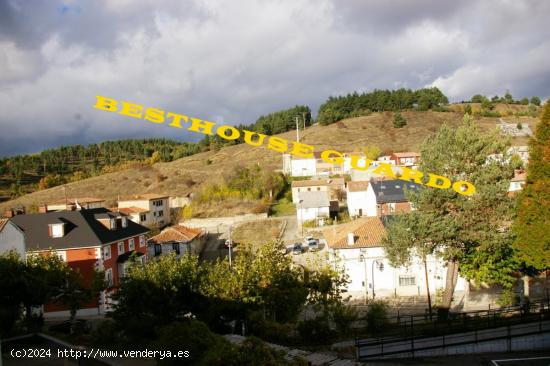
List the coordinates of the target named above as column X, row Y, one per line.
column 183, row 176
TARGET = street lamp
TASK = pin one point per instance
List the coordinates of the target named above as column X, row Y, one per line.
column 363, row 260
column 300, row 215
column 380, row 266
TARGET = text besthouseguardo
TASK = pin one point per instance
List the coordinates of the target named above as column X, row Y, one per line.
column 227, row 132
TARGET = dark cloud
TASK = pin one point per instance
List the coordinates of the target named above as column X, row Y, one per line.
column 234, row 61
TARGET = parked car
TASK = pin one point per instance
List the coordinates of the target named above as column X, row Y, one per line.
column 313, row 245
column 297, row 249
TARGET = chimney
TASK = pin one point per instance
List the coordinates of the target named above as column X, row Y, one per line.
column 8, row 213
column 43, row 208
column 351, row 239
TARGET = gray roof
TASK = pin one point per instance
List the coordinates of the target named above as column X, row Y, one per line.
column 312, row 199
column 387, row 191
column 82, row 229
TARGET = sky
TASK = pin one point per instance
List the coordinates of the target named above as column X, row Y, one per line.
column 233, row 61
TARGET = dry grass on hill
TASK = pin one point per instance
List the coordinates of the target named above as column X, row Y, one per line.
column 186, row 175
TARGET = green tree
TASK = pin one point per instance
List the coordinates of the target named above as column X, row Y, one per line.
column 468, row 109
column 12, row 290
column 524, row 101
column 398, row 120
column 478, row 98
column 417, row 234
column 474, row 224
column 535, row 101
column 371, row 152
column 532, row 240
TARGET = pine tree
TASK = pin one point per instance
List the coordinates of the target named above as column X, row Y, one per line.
column 398, row 120
column 532, row 223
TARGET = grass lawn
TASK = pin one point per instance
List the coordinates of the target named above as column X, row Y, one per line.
column 283, row 207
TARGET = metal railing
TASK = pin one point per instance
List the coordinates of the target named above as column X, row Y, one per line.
column 417, row 332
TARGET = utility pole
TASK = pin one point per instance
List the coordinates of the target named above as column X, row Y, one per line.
column 297, row 129
column 230, row 244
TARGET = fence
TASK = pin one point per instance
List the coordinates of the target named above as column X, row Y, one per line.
column 419, row 332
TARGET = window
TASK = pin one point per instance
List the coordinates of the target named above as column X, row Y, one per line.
column 120, row 247
column 309, row 189
column 109, row 277
column 142, row 217
column 131, row 244
column 124, row 222
column 62, row 255
column 141, row 240
column 157, row 203
column 392, row 207
column 57, row 230
column 158, row 249
column 176, row 248
column 107, row 252
column 160, row 213
column 318, row 188
column 113, row 224
column 407, row 280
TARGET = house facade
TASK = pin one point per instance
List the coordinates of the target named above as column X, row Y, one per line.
column 357, row 248
column 408, row 159
column 314, row 205
column 177, row 239
column 149, row 209
column 73, row 204
column 379, row 197
column 88, row 240
column 334, row 186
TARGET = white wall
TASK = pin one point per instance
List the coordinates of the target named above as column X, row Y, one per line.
column 306, row 214
column 303, row 167
column 11, row 238
column 364, row 200
column 386, row 282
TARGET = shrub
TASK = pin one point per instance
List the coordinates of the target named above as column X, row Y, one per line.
column 377, row 315
column 316, row 331
column 146, row 183
column 343, row 317
column 161, row 178
column 398, row 120
column 519, row 126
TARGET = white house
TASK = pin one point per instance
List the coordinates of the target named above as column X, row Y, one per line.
column 357, row 247
column 361, row 201
column 378, row 197
column 300, row 167
column 314, row 205
column 147, row 209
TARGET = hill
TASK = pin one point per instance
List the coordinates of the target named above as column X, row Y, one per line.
column 186, row 175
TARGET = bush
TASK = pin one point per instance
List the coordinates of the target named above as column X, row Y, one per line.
column 316, row 331
column 519, row 126
column 343, row 317
column 398, row 120
column 377, row 315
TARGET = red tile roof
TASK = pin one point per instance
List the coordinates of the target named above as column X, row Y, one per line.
column 72, row 201
column 3, row 223
column 519, row 176
column 358, row 186
column 406, row 154
column 130, row 210
column 176, row 233
column 368, row 232
column 318, row 182
column 144, row 196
